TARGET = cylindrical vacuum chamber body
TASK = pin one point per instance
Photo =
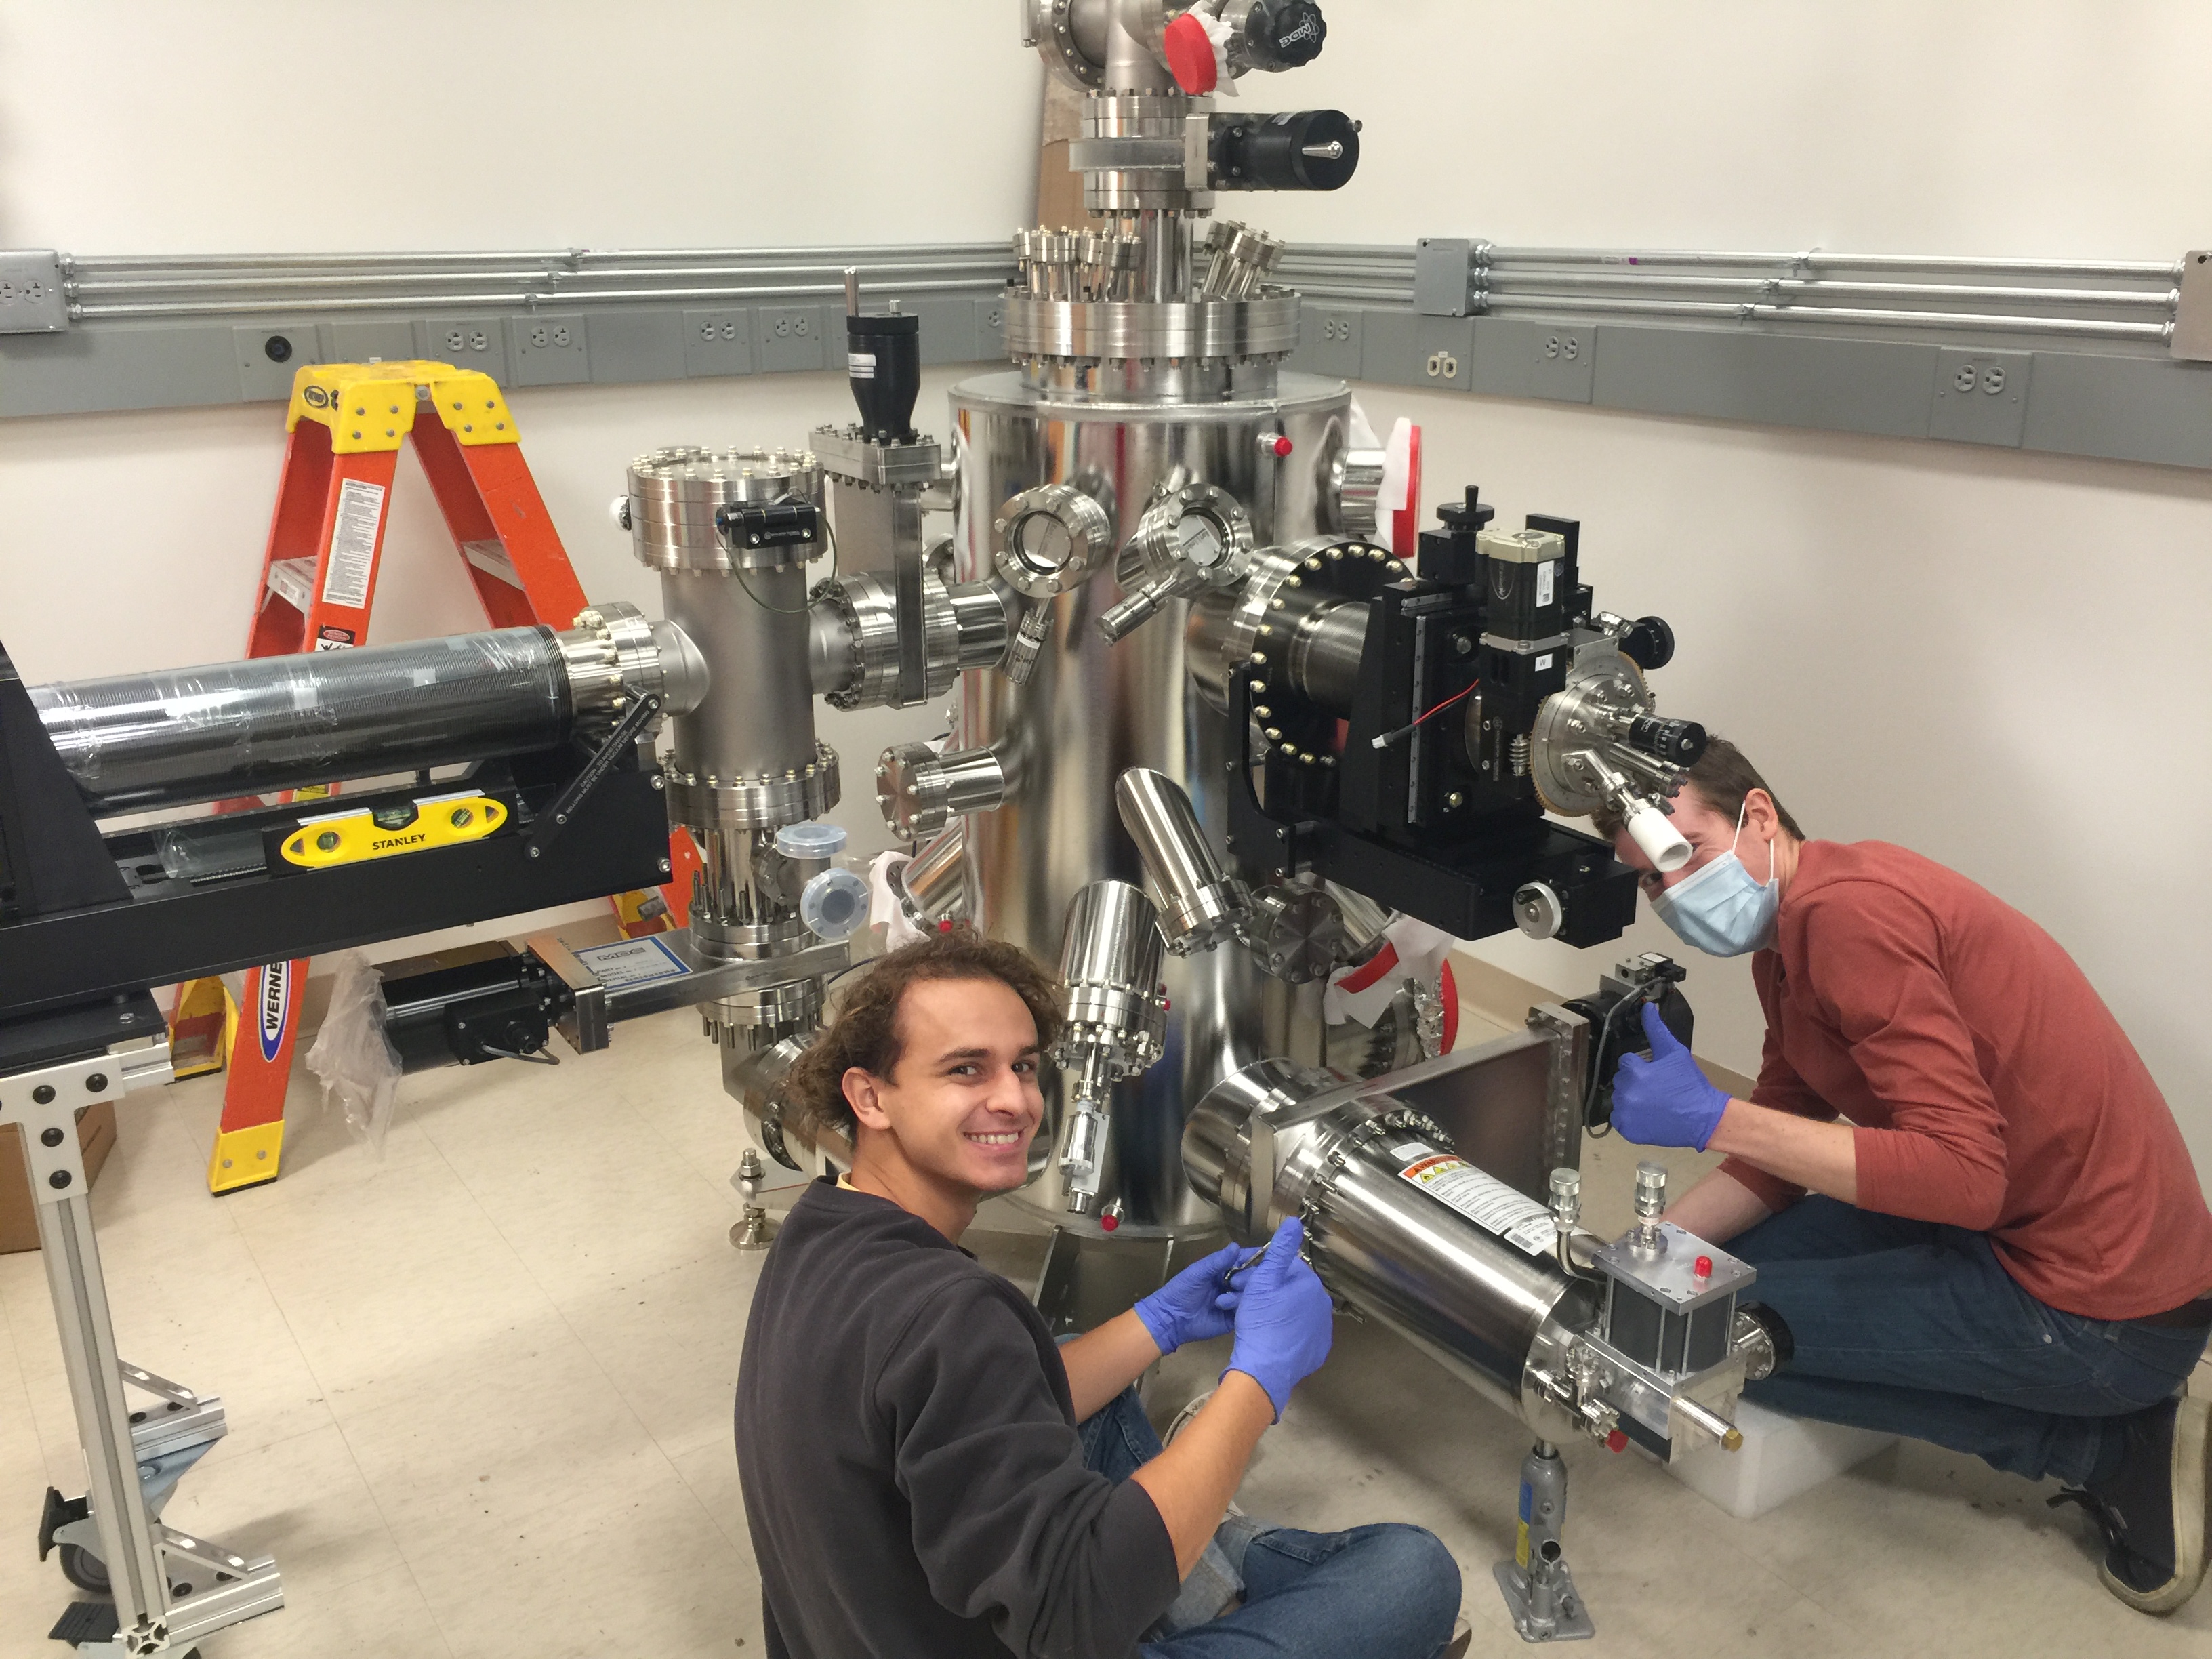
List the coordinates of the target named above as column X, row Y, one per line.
column 1091, row 709
column 139, row 742
column 1432, row 1253
column 746, row 759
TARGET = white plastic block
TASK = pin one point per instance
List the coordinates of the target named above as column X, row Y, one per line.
column 1780, row 1457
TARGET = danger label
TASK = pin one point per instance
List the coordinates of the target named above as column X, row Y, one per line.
column 353, row 543
column 1486, row 1200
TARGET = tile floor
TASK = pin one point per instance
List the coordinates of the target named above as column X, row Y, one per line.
column 480, row 1397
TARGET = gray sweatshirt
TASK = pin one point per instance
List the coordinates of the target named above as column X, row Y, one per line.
column 907, row 1446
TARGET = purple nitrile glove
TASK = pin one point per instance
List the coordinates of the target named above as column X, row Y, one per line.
column 1665, row 1101
column 1194, row 1304
column 1285, row 1320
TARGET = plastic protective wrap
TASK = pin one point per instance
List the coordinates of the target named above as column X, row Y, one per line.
column 142, row 741
column 352, row 1058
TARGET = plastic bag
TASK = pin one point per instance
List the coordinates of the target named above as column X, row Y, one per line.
column 352, row 1058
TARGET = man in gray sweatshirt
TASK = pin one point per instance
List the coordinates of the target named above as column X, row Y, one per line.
column 927, row 1472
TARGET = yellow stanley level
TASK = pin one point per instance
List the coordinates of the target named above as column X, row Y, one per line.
column 389, row 831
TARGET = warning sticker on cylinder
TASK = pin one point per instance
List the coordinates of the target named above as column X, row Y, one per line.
column 1486, row 1200
column 353, row 543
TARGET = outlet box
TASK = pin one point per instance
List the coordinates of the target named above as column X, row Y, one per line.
column 270, row 355
column 548, row 349
column 32, row 300
column 1980, row 396
column 718, row 342
column 788, row 338
column 477, row 342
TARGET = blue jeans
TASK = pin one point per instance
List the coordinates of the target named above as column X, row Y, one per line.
column 1914, row 1329
column 1385, row 1592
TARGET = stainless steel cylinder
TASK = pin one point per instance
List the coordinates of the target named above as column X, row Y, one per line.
column 1201, row 903
column 1091, row 710
column 1109, row 959
column 933, row 886
column 141, row 741
column 746, row 757
column 1430, row 1258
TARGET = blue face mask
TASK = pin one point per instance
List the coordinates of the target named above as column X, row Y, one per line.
column 1721, row 910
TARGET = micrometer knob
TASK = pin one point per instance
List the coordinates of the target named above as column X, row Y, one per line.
column 1679, row 742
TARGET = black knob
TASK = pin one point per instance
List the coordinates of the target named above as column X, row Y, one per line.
column 276, row 348
column 1287, row 33
column 1649, row 643
column 1679, row 742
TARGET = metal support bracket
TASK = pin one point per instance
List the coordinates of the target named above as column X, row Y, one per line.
column 168, row 1588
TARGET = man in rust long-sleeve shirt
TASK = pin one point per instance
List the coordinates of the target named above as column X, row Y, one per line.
column 1963, row 1192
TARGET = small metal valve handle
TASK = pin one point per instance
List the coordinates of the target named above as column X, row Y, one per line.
column 1028, row 642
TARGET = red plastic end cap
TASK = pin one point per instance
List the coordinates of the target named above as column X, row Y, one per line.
column 1616, row 1441
column 945, row 926
column 1107, row 1222
column 1702, row 1266
column 1190, row 55
column 1282, row 445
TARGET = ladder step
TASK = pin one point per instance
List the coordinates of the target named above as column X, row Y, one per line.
column 293, row 580
column 491, row 558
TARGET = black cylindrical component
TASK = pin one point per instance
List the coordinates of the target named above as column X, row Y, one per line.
column 1297, row 149
column 883, row 361
column 181, row 735
column 1679, row 743
column 1649, row 644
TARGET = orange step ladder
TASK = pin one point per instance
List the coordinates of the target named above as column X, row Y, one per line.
column 347, row 423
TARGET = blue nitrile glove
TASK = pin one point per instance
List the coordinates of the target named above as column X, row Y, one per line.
column 1665, row 1101
column 1285, row 1320
column 1194, row 1304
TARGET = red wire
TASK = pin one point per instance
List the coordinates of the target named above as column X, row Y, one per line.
column 1445, row 704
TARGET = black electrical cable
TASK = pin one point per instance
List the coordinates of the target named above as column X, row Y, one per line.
column 785, row 610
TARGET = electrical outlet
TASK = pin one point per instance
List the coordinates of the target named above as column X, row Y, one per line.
column 270, row 355
column 1328, row 342
column 1980, row 396
column 549, row 349
column 788, row 338
column 477, row 342
column 718, row 342
column 1444, row 351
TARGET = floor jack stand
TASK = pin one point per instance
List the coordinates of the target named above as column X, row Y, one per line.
column 167, row 1588
column 1538, row 1590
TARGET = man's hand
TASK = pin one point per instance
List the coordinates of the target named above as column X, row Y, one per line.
column 1194, row 1304
column 1285, row 1320
column 1665, row 1101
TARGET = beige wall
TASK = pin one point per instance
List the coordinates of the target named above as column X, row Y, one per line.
column 1999, row 660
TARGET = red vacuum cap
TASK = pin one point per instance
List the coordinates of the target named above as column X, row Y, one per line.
column 1702, row 1266
column 1190, row 55
column 1616, row 1441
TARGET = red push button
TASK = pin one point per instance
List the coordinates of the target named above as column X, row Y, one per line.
column 1702, row 1266
column 1282, row 445
column 1107, row 1222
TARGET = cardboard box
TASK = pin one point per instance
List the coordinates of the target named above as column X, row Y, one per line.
column 19, row 1221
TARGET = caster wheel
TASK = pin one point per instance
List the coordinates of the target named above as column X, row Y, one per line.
column 85, row 1570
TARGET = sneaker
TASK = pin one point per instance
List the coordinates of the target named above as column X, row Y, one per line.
column 2152, row 1510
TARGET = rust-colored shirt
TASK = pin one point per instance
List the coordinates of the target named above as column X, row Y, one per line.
column 1989, row 1085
